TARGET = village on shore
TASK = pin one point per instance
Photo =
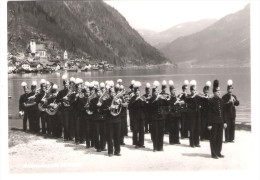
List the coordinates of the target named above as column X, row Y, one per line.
column 36, row 60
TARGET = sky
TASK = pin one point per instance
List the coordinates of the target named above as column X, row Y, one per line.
column 161, row 15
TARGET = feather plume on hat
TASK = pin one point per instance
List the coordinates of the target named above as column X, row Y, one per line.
column 23, row 84
column 186, row 82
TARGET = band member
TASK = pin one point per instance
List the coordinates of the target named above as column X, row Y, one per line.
column 147, row 96
column 216, row 121
column 53, row 125
column 22, row 110
column 39, row 96
column 130, row 94
column 99, row 116
column 204, row 114
column 113, row 124
column 61, row 121
column 32, row 109
column 174, row 116
column 230, row 101
column 79, row 110
column 90, row 116
column 136, row 104
column 164, row 107
column 193, row 102
column 119, row 81
column 157, row 119
column 123, row 117
column 184, row 116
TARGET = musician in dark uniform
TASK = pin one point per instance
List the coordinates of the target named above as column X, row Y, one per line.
column 32, row 110
column 113, row 124
column 90, row 116
column 216, row 122
column 99, row 117
column 53, row 126
column 61, row 114
column 230, row 101
column 79, row 111
column 164, row 107
column 174, row 116
column 184, row 116
column 157, row 119
column 136, row 104
column 87, row 118
column 71, row 100
column 123, row 117
column 193, row 101
column 147, row 121
column 130, row 94
column 22, row 109
column 204, row 135
column 39, row 96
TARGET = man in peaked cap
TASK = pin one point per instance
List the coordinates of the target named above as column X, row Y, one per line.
column 39, row 96
column 216, row 122
column 174, row 116
column 204, row 135
column 136, row 104
column 32, row 110
column 184, row 117
column 22, row 110
column 230, row 101
column 123, row 117
column 157, row 120
column 131, row 94
column 165, row 106
column 147, row 96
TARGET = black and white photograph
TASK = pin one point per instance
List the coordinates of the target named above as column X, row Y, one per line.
column 111, row 86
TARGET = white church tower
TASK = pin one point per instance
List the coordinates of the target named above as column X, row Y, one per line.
column 65, row 56
column 33, row 46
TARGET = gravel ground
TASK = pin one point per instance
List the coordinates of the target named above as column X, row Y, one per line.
column 34, row 153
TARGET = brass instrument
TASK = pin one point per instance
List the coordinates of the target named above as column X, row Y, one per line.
column 42, row 104
column 65, row 100
column 92, row 96
column 116, row 104
column 52, row 108
column 163, row 97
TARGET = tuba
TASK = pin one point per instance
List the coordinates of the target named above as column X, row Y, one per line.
column 52, row 108
column 42, row 105
column 92, row 96
column 116, row 104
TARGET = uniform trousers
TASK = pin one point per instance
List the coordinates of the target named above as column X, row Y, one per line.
column 100, row 134
column 56, row 125
column 131, row 120
column 67, row 124
column 174, row 129
column 158, row 134
column 123, row 131
column 184, row 125
column 138, row 132
column 113, row 137
column 204, row 128
column 230, row 130
column 25, row 119
column 194, row 128
column 49, row 124
column 87, row 131
column 33, row 116
column 43, row 116
column 216, row 138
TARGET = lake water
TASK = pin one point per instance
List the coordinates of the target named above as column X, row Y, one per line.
column 240, row 76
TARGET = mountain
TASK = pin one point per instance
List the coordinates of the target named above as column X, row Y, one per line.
column 159, row 39
column 83, row 28
column 225, row 43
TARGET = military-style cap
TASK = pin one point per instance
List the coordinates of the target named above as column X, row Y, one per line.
column 229, row 84
column 171, row 85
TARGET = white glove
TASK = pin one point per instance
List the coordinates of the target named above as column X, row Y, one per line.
column 209, row 127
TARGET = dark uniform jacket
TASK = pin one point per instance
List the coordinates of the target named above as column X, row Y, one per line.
column 146, row 106
column 137, row 107
column 216, row 111
column 229, row 108
column 175, row 109
column 60, row 95
column 99, row 112
column 155, row 109
column 22, row 100
column 34, row 107
column 193, row 103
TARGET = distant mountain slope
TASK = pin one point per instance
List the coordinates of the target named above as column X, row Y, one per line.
column 83, row 28
column 226, row 42
column 159, row 39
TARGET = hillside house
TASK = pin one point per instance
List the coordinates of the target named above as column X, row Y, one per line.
column 37, row 50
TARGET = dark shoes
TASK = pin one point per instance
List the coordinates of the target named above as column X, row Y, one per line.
column 214, row 157
column 98, row 150
column 220, row 156
column 117, row 154
column 104, row 149
column 197, row 145
column 110, row 155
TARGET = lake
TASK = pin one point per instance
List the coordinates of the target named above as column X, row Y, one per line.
column 240, row 76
